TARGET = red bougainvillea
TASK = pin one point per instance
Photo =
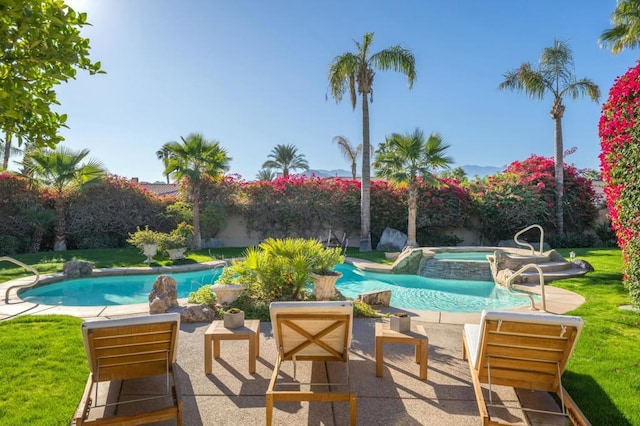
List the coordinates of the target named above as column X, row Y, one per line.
column 619, row 160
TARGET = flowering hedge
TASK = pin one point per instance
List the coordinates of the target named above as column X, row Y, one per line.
column 619, row 129
column 104, row 214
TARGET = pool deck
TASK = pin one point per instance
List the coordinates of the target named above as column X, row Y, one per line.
column 231, row 395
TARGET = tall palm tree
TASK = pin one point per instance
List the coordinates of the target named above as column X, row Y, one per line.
column 555, row 75
column 61, row 170
column 407, row 158
column 354, row 72
column 285, row 158
column 163, row 154
column 625, row 32
column 350, row 152
column 194, row 158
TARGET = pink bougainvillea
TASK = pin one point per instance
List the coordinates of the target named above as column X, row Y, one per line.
column 619, row 160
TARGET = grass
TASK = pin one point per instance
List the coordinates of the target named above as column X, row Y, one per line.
column 603, row 375
column 43, row 370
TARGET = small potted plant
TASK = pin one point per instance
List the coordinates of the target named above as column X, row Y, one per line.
column 147, row 241
column 400, row 322
column 233, row 318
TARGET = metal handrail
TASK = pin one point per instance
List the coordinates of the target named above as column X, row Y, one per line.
column 515, row 238
column 508, row 284
column 25, row 266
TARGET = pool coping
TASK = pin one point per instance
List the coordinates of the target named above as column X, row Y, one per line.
column 558, row 301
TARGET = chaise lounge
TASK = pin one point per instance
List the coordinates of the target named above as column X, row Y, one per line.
column 130, row 349
column 521, row 350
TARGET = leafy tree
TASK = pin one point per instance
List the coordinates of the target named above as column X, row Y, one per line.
column 350, row 152
column 62, row 170
column 625, row 30
column 163, row 154
column 354, row 72
column 286, row 158
column 555, row 75
column 458, row 174
column 194, row 159
column 408, row 158
column 40, row 48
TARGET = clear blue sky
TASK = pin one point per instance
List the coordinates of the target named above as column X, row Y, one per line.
column 253, row 74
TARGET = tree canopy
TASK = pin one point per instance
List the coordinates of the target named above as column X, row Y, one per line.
column 40, row 47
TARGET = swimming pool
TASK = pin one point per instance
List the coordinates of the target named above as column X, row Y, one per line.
column 408, row 291
column 463, row 255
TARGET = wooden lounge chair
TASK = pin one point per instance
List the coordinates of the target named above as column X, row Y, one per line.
column 131, row 348
column 521, row 350
column 311, row 331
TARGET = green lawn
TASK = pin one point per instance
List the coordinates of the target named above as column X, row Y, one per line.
column 43, row 366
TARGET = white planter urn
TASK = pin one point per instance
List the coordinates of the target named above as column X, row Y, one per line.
column 324, row 286
column 176, row 254
column 227, row 293
column 149, row 250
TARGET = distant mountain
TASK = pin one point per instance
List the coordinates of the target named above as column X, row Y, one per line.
column 480, row 171
column 470, row 170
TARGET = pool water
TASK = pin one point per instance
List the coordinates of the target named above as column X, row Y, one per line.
column 463, row 255
column 408, row 291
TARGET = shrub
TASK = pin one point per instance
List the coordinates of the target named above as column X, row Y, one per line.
column 144, row 236
column 9, row 245
column 619, row 130
column 203, row 295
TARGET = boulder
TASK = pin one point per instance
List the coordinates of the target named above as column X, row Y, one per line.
column 197, row 313
column 375, row 298
column 392, row 240
column 408, row 262
column 583, row 264
column 77, row 268
column 164, row 295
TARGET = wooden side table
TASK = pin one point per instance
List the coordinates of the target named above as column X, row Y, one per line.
column 417, row 337
column 217, row 332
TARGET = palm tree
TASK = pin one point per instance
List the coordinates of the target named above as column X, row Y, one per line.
column 354, row 72
column 62, row 170
column 625, row 32
column 163, row 154
column 285, row 158
column 267, row 175
column 406, row 158
column 554, row 75
column 350, row 152
column 193, row 159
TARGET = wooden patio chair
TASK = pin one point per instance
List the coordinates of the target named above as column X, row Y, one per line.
column 522, row 350
column 131, row 348
column 311, row 331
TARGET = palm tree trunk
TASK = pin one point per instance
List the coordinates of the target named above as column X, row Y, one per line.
column 60, row 243
column 365, row 191
column 354, row 170
column 558, row 159
column 411, row 223
column 7, row 151
column 195, row 199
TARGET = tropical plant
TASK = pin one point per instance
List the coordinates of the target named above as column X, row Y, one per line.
column 40, row 218
column 350, row 152
column 407, row 159
column 62, row 170
column 625, row 30
column 163, row 155
column 354, row 72
column 193, row 159
column 285, row 158
column 555, row 75
column 41, row 46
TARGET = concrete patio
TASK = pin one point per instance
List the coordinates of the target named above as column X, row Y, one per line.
column 231, row 395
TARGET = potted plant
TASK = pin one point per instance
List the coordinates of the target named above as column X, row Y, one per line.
column 233, row 318
column 323, row 259
column 174, row 244
column 226, row 288
column 147, row 241
column 400, row 322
